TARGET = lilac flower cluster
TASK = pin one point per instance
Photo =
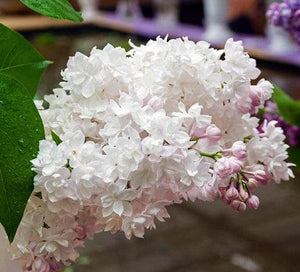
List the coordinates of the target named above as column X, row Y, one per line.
column 166, row 122
column 286, row 15
column 292, row 133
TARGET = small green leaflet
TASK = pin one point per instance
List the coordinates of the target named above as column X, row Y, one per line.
column 288, row 108
column 55, row 138
column 19, row 60
column 60, row 9
column 21, row 128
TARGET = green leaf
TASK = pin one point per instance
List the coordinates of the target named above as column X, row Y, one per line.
column 55, row 137
column 20, row 132
column 294, row 156
column 60, row 9
column 21, row 129
column 19, row 60
column 288, row 108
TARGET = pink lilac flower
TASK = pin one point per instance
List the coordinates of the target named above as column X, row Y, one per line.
column 166, row 122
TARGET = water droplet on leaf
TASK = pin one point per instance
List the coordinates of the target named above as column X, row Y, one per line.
column 21, row 142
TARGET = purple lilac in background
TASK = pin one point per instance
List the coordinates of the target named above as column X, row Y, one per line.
column 286, row 15
column 292, row 132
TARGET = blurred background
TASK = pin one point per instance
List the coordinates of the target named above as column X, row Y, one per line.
column 204, row 237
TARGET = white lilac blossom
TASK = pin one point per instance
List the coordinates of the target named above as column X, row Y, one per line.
column 165, row 122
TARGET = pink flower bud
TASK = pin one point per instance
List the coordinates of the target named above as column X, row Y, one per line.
column 55, row 265
column 239, row 150
column 222, row 190
column 262, row 177
column 223, row 167
column 243, row 193
column 238, row 206
column 197, row 132
column 235, row 164
column 231, row 194
column 213, row 133
column 259, row 94
column 252, row 183
column 256, row 95
column 253, row 202
column 80, row 231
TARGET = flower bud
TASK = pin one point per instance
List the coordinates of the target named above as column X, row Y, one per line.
column 253, row 202
column 239, row 150
column 235, row 164
column 55, row 265
column 243, row 193
column 238, row 206
column 213, row 133
column 259, row 94
column 252, row 183
column 256, row 95
column 80, row 231
column 196, row 131
column 262, row 177
column 231, row 194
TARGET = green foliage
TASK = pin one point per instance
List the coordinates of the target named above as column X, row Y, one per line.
column 21, row 128
column 20, row 132
column 83, row 260
column 294, row 156
column 55, row 137
column 288, row 108
column 45, row 39
column 60, row 9
column 19, row 60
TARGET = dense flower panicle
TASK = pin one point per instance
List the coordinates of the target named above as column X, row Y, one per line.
column 286, row 15
column 165, row 122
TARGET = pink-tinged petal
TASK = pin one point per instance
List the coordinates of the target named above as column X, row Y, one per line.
column 107, row 211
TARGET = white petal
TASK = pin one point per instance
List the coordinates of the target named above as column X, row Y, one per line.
column 127, row 208
column 128, row 195
column 118, row 207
